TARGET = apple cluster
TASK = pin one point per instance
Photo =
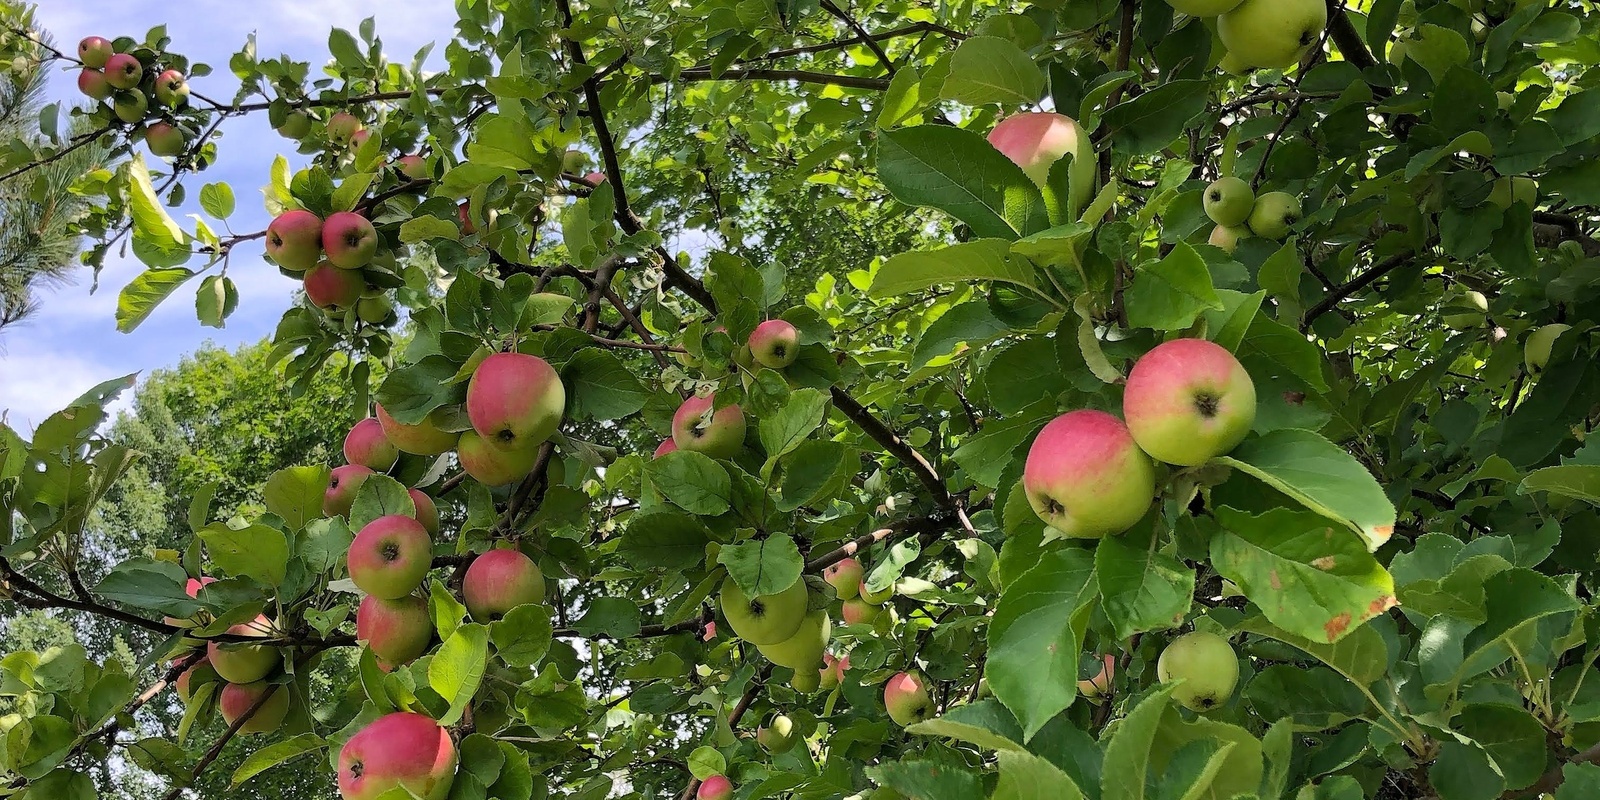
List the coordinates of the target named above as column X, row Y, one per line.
column 244, row 669
column 329, row 255
column 1089, row 475
column 1239, row 213
column 1261, row 34
column 112, row 74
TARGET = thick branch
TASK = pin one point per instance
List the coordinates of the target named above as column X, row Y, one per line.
column 1356, row 284
column 1347, row 38
column 909, row 30
column 891, row 441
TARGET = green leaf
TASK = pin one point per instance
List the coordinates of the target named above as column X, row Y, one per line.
column 815, row 471
column 158, row 242
column 1141, row 588
column 959, row 173
column 1577, row 119
column 1170, row 294
column 215, row 300
column 692, row 481
column 145, row 292
column 928, row 780
column 276, row 753
column 763, row 566
column 1025, row 776
column 217, row 200
column 600, row 387
column 147, row 584
column 613, row 617
column 1036, row 634
column 1128, row 753
column 457, row 669
column 971, row 324
column 295, row 494
column 1580, row 782
column 522, row 637
column 1148, row 123
column 985, row 723
column 423, row 227
column 1361, row 657
column 256, row 551
column 984, row 456
column 664, row 539
column 1581, row 482
column 380, row 496
column 985, row 259
column 989, row 69
column 409, row 393
column 1232, row 766
column 1513, row 738
column 705, row 762
column 784, row 430
column 1321, row 476
column 345, row 50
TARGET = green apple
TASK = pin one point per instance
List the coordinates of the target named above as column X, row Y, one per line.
column 130, row 106
column 1274, row 214
column 802, row 652
column 1233, row 65
column 1272, row 33
column 906, row 698
column 1536, row 351
column 1203, row 8
column 767, row 618
column 1518, row 189
column 778, row 736
column 1227, row 239
column 1228, row 201
column 1464, row 310
column 875, row 598
column 1206, row 664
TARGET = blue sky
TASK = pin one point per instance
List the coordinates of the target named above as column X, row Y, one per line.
column 72, row 343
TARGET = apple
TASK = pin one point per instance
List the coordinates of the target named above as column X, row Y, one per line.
column 1228, row 238
column 164, row 139
column 1101, row 682
column 802, row 652
column 1274, row 214
column 492, row 465
column 804, row 682
column 359, row 138
column 775, row 343
column 595, row 178
column 123, row 71
column 1086, row 476
column 515, row 400
column 396, row 631
column 333, row 289
column 573, row 161
column 875, row 598
column 349, row 240
column 1231, row 64
column 1515, row 189
column 845, row 577
column 295, row 126
column 239, row 662
column 172, row 89
column 343, row 483
column 374, row 309
column 1228, row 201
column 197, row 675
column 1188, row 401
column 414, row 167
column 1465, row 309
column 390, row 556
column 719, row 434
column 1272, row 33
column 93, row 83
column 237, row 699
column 666, row 446
column 95, row 51
column 906, row 698
column 778, row 735
column 767, row 618
column 499, row 581
column 192, row 588
column 833, row 669
column 342, row 126
column 1035, row 141
column 1536, row 351
column 294, row 239
column 398, row 750
column 715, row 787
column 130, row 106
column 427, row 512
column 856, row 611
column 464, row 212
column 1206, row 664
column 366, row 445
column 422, row 439
column 1203, row 8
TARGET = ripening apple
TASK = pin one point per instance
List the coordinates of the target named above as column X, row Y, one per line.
column 1274, row 214
column 767, row 618
column 390, row 556
column 398, row 750
column 414, row 167
column 710, row 631
column 666, row 446
column 422, row 439
column 192, row 588
column 833, row 669
column 857, row 611
column 573, row 161
column 1101, row 682
column 1206, row 664
column 396, row 631
column 464, row 212
column 906, row 698
column 366, row 445
column 197, row 675
column 333, row 289
column 715, row 787
column 1465, row 309
column 1272, row 33
column 1035, row 141
column 1514, row 189
column 845, row 577
column 164, row 139
column 802, row 652
column 499, row 581
column 241, row 662
column 1228, row 238
column 95, row 51
column 515, row 400
column 778, row 736
column 296, row 125
column 775, row 343
column 123, row 71
column 427, row 511
column 1203, row 8
column 1086, row 477
column 172, row 89
column 492, row 465
column 360, row 138
column 342, row 126
column 1188, row 401
column 349, row 240
column 1536, row 351
column 343, row 483
column 719, row 435
column 374, row 308
column 130, row 106
column 1228, row 201
column 93, row 83
column 875, row 598
column 237, row 699
column 294, row 239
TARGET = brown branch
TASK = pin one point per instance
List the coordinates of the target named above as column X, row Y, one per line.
column 78, row 143
column 911, row 527
column 1347, row 38
column 896, row 446
column 909, row 30
column 865, row 37
column 798, row 75
column 340, row 102
column 1354, row 285
column 645, row 631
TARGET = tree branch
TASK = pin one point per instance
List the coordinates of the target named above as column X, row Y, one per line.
column 1356, row 284
column 891, row 441
column 752, row 73
column 1347, row 37
column 861, row 33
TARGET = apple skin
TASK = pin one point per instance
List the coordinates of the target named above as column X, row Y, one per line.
column 1227, row 239
column 333, row 289
column 343, row 483
column 342, row 126
column 237, row 698
column 1465, row 310
column 845, row 577
column 464, row 211
column 906, row 698
column 93, row 84
column 399, row 749
column 390, row 557
column 130, row 106
column 123, row 71
column 1514, row 189
column 764, row 619
column 359, row 138
column 875, row 598
column 374, row 309
column 803, row 651
column 666, row 446
column 1203, row 8
column 492, row 465
column 721, row 438
column 1228, row 201
column 295, row 126
column 294, row 240
column 710, row 631
column 856, row 611
column 366, row 445
column 499, row 581
column 777, row 736
column 833, row 669
column 349, row 240
column 95, row 51
column 396, row 631
column 1206, row 664
column 804, row 682
column 1274, row 214
column 715, row 787
column 422, row 439
column 1086, row 477
column 414, row 167
column 172, row 89
column 427, row 511
column 1101, row 682
column 192, row 588
column 573, row 161
column 1536, row 351
column 1188, row 401
column 164, row 139
column 595, row 178
column 775, row 343
column 1272, row 33
column 1035, row 141
column 197, row 675
column 515, row 400
column 237, row 662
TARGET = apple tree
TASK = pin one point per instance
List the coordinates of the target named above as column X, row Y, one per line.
column 1086, row 399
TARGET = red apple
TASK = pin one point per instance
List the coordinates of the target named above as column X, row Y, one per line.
column 833, row 669
column 390, row 557
column 414, row 167
column 349, row 240
column 595, row 178
column 845, row 577
column 191, row 588
column 856, row 611
column 396, row 631
column 1188, row 401
column 343, row 484
column 197, row 675
column 398, row 750
column 423, row 438
column 427, row 512
column 515, row 400
column 342, row 126
column 366, row 445
column 239, row 662
column 775, row 343
column 95, row 51
column 123, row 71
column 906, row 698
column 715, row 787
column 666, row 446
column 331, row 288
column 172, row 89
column 294, row 240
column 359, row 138
column 710, row 631
column 1086, row 477
column 1036, row 141
column 93, row 83
column 1101, row 682
column 464, row 211
column 719, row 435
column 164, row 139
column 499, row 581
column 238, row 698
